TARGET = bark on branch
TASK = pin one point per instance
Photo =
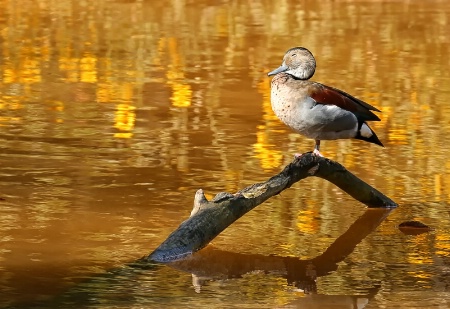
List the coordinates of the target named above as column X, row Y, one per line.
column 209, row 218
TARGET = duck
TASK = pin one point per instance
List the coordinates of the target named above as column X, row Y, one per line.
column 315, row 110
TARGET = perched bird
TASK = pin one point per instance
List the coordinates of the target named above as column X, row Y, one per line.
column 314, row 110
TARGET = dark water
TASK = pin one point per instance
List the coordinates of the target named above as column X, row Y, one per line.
column 114, row 113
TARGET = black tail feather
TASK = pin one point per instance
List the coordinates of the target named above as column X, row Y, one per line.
column 372, row 139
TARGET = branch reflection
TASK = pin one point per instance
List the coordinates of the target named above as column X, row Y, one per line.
column 212, row 263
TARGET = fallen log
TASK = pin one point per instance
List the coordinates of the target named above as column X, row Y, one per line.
column 209, row 218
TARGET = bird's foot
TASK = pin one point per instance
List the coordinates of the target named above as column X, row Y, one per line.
column 298, row 155
column 317, row 153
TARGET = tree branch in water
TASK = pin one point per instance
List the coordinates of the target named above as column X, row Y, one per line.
column 209, row 218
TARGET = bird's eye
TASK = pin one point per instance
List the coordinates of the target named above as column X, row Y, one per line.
column 293, row 55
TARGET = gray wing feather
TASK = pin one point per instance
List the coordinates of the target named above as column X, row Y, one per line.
column 329, row 118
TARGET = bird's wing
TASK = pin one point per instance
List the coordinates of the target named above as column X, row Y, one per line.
column 331, row 96
column 330, row 118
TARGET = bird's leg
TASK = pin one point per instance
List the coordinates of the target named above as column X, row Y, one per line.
column 316, row 149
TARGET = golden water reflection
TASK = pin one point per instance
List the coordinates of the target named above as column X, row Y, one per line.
column 113, row 113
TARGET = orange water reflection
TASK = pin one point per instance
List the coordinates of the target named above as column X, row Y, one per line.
column 113, row 113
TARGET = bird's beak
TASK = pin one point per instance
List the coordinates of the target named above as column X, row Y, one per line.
column 282, row 68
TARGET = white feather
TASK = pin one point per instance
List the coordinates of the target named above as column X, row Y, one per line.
column 365, row 131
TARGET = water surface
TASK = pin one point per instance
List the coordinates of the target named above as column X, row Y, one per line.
column 114, row 113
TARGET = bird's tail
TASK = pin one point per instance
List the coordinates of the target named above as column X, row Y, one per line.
column 365, row 133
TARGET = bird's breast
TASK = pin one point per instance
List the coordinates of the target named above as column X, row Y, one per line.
column 290, row 108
